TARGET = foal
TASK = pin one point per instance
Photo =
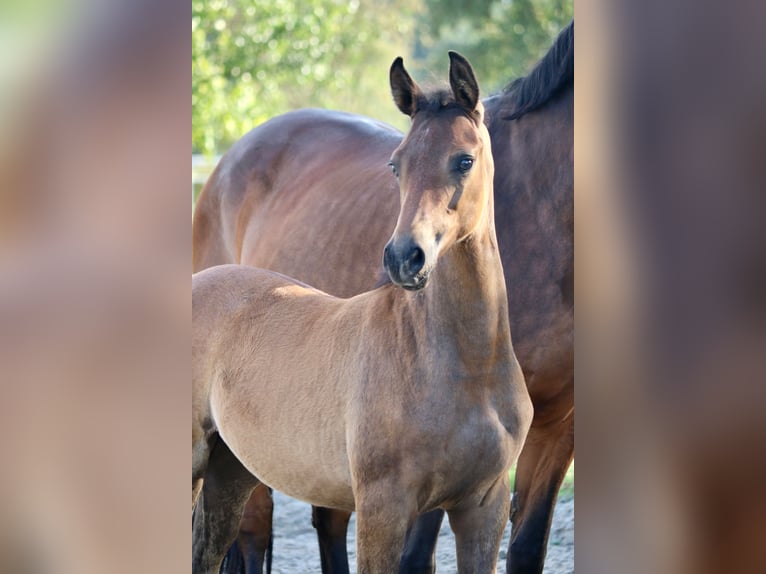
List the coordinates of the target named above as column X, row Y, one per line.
column 391, row 403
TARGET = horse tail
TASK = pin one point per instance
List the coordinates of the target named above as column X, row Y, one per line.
column 209, row 246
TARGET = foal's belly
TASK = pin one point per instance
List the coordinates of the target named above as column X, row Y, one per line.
column 305, row 483
column 308, row 470
column 305, row 461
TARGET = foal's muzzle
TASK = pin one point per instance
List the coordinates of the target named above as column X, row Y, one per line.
column 405, row 264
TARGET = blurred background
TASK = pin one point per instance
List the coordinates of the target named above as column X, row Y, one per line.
column 254, row 60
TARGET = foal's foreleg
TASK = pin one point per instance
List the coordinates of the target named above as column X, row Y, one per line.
column 227, row 486
column 383, row 515
column 479, row 529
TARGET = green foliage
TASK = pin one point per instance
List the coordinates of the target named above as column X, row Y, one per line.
column 254, row 59
column 502, row 38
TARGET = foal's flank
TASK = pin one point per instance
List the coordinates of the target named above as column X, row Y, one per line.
column 393, row 402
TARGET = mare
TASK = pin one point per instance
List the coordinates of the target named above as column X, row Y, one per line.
column 391, row 403
column 308, row 194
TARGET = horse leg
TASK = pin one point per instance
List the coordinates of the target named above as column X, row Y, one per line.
column 254, row 538
column 479, row 529
column 331, row 526
column 419, row 555
column 542, row 465
column 383, row 515
column 234, row 561
column 249, row 552
column 216, row 517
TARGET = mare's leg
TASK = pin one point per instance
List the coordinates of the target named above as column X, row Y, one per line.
column 419, row 555
column 234, row 561
column 542, row 465
column 249, row 552
column 479, row 529
column 384, row 512
column 216, row 517
column 331, row 526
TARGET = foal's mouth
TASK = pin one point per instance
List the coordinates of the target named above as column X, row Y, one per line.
column 416, row 283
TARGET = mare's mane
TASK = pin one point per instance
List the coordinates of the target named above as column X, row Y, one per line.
column 550, row 76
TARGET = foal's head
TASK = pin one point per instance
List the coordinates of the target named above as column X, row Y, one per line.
column 444, row 167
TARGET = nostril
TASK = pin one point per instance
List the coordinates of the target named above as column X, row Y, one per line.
column 387, row 254
column 416, row 260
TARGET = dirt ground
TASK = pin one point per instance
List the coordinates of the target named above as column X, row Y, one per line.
column 296, row 551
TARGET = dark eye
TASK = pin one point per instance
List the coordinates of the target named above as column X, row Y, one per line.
column 394, row 169
column 465, row 164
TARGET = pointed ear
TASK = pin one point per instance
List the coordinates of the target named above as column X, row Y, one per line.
column 463, row 82
column 404, row 89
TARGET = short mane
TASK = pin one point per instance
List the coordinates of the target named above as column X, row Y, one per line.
column 435, row 99
column 552, row 74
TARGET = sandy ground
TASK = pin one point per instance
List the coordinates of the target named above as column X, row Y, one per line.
column 296, row 551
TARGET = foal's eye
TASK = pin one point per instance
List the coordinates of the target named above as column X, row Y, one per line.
column 465, row 164
column 393, row 168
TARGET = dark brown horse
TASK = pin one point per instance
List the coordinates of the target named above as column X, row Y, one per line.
column 308, row 194
column 391, row 403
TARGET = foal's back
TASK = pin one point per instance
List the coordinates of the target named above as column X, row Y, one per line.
column 265, row 343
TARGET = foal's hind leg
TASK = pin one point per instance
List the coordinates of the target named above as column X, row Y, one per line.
column 479, row 529
column 215, row 521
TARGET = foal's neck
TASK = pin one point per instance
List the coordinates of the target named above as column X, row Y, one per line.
column 467, row 299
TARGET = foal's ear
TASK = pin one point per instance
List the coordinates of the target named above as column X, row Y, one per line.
column 404, row 89
column 463, row 82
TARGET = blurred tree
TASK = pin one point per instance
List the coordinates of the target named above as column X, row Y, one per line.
column 502, row 38
column 253, row 59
